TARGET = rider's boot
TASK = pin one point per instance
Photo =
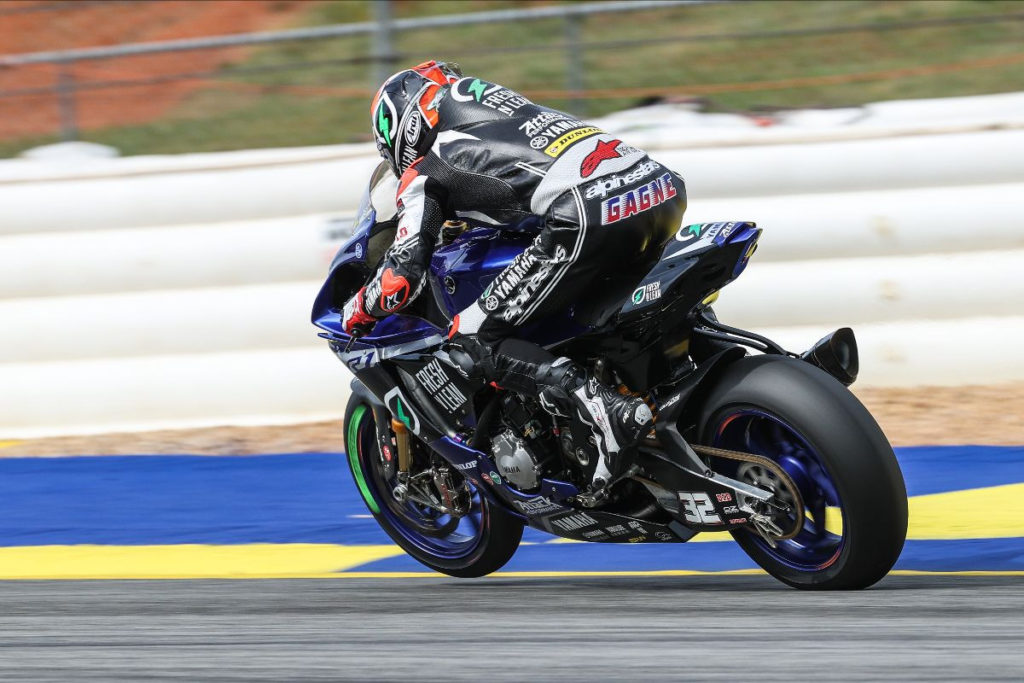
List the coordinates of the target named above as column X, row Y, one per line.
column 618, row 421
column 564, row 389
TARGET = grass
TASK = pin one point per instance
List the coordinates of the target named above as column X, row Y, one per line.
column 328, row 103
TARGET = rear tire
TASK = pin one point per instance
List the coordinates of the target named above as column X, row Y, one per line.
column 826, row 421
column 497, row 534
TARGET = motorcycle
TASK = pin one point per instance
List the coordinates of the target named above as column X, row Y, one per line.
column 749, row 439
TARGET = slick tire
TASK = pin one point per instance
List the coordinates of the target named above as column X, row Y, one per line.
column 855, row 453
column 499, row 532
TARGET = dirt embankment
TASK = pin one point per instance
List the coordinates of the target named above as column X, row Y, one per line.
column 144, row 94
column 918, row 416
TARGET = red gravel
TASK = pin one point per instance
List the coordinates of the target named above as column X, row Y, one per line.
column 93, row 25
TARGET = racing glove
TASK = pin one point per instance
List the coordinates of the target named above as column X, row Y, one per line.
column 354, row 318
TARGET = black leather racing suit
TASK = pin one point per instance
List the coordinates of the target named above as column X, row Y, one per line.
column 499, row 158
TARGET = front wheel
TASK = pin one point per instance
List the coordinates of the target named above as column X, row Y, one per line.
column 854, row 497
column 472, row 545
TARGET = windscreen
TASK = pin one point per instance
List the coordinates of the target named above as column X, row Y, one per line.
column 382, row 188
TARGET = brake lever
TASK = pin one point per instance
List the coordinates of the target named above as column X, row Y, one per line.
column 352, row 340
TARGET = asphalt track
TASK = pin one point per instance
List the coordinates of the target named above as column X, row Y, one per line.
column 354, row 607
column 546, row 629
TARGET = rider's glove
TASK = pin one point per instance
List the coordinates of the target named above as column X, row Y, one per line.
column 356, row 321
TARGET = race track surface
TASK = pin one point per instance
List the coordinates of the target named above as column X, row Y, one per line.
column 736, row 628
column 300, row 516
column 274, row 571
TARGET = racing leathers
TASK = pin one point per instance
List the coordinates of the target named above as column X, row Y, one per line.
column 606, row 208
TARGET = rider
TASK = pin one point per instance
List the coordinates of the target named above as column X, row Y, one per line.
column 465, row 147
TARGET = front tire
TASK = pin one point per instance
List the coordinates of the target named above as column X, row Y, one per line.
column 854, row 494
column 471, row 546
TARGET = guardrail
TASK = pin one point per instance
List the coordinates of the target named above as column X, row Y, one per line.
column 209, row 188
column 828, row 292
column 804, row 227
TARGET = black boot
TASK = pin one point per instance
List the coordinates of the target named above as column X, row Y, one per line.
column 617, row 421
column 563, row 388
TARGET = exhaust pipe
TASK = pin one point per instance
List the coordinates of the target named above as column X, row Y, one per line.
column 836, row 354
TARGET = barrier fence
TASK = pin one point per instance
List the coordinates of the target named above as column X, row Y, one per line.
column 382, row 56
column 156, row 96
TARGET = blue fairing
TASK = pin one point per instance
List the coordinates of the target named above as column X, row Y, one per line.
column 350, row 264
column 472, row 261
column 460, row 272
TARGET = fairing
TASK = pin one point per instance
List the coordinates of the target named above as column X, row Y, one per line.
column 700, row 260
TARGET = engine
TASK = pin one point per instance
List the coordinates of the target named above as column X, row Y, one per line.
column 527, row 445
column 515, row 461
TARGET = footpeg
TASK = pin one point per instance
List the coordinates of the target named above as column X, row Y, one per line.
column 766, row 528
column 599, row 493
column 594, row 497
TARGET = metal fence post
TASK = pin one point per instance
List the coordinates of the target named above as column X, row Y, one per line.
column 66, row 101
column 383, row 55
column 574, row 64
column 382, row 29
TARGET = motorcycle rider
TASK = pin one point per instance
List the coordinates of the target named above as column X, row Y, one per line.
column 464, row 147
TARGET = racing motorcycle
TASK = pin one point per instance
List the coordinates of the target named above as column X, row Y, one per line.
column 750, row 439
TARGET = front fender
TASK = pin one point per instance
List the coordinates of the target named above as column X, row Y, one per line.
column 359, row 389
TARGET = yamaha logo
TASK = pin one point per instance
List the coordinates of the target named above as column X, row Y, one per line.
column 539, row 142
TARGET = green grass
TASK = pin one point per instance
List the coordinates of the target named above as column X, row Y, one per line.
column 259, row 110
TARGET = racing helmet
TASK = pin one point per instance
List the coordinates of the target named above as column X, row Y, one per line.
column 404, row 115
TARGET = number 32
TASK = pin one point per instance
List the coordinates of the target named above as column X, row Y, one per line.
column 698, row 508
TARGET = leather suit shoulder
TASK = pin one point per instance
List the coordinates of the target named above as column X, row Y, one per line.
column 539, row 153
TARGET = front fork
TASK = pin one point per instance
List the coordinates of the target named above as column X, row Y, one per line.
column 449, row 498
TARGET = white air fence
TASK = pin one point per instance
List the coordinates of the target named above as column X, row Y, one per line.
column 153, row 292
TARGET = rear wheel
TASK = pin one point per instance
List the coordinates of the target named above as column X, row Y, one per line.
column 855, row 502
column 470, row 545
